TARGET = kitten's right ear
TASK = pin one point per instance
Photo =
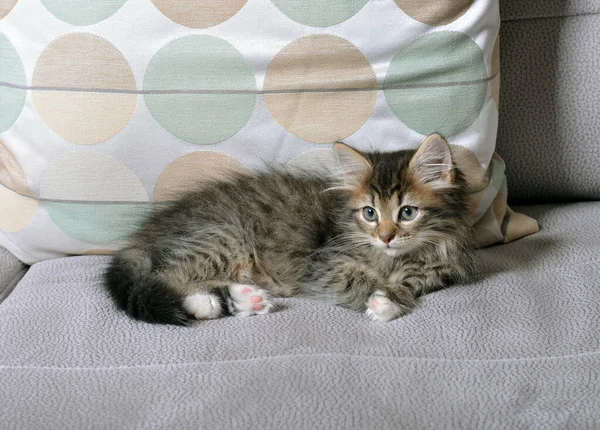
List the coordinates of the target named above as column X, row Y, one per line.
column 353, row 164
column 433, row 160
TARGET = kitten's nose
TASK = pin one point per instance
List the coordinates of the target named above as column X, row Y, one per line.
column 386, row 239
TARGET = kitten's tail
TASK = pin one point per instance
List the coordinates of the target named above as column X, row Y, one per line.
column 140, row 293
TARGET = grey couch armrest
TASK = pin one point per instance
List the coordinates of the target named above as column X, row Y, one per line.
column 11, row 272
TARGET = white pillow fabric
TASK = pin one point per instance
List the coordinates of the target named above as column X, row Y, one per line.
column 107, row 106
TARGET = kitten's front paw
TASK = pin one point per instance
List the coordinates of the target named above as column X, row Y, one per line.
column 202, row 306
column 246, row 300
column 381, row 308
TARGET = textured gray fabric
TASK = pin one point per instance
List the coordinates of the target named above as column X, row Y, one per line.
column 527, row 9
column 518, row 349
column 11, row 272
column 549, row 130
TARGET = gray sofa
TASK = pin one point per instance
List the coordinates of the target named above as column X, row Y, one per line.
column 520, row 348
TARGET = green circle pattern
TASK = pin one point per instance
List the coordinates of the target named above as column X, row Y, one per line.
column 83, row 12
column 320, row 13
column 438, row 83
column 12, row 72
column 98, row 223
column 196, row 79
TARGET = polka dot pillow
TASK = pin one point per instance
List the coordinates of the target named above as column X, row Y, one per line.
column 109, row 106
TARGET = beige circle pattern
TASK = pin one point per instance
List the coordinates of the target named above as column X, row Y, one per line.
column 71, row 70
column 17, row 205
column 311, row 88
column 434, row 12
column 188, row 171
column 6, row 6
column 199, row 13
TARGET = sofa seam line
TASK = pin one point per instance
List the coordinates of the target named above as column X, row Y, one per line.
column 323, row 355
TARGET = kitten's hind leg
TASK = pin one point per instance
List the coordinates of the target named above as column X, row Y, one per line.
column 203, row 306
column 206, row 299
column 214, row 284
column 211, row 299
column 247, row 299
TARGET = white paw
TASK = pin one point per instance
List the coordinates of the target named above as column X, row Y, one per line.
column 246, row 300
column 380, row 308
column 202, row 306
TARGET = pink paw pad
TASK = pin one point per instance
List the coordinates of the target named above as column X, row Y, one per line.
column 246, row 300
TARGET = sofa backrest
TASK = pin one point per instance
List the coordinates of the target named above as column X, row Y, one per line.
column 549, row 131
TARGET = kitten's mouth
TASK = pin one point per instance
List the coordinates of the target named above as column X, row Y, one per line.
column 394, row 249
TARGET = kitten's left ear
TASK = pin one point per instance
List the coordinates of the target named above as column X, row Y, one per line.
column 433, row 160
column 353, row 164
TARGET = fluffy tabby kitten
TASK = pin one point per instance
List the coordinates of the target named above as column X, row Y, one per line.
column 393, row 228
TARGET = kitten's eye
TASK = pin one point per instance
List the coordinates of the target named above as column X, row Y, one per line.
column 408, row 213
column 370, row 214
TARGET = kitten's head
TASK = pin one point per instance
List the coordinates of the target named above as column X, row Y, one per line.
column 406, row 200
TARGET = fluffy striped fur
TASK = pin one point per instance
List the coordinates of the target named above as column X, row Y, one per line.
column 230, row 246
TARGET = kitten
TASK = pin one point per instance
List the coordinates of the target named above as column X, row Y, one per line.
column 395, row 227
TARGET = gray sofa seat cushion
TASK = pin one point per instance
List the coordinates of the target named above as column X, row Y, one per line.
column 516, row 349
column 11, row 272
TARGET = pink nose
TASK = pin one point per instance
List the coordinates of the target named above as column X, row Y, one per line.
column 386, row 239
